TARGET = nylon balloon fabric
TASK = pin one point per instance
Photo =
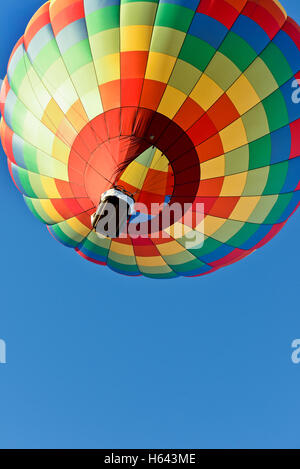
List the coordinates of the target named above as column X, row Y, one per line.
column 181, row 101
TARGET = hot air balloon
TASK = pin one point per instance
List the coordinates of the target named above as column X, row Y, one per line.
column 167, row 101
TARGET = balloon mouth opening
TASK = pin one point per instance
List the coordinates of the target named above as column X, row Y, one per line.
column 156, row 161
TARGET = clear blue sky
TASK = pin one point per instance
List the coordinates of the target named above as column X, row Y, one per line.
column 188, row 363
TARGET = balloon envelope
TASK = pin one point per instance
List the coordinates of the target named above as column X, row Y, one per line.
column 181, row 102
